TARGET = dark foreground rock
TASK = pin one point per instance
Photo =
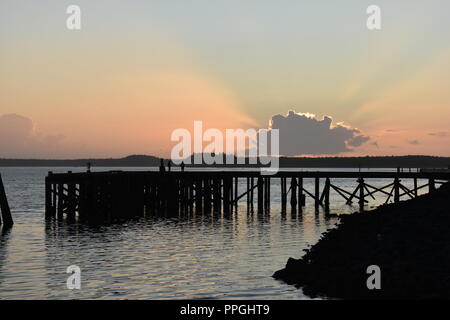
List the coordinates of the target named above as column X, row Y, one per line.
column 409, row 241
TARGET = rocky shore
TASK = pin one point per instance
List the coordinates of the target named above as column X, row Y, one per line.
column 409, row 241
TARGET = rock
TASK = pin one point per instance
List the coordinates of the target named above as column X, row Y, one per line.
column 409, row 241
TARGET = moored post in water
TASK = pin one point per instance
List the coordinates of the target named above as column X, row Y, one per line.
column 4, row 207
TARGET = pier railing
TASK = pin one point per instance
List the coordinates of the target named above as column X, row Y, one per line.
column 124, row 194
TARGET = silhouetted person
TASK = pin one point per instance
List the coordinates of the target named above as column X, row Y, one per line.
column 182, row 166
column 162, row 168
column 169, row 165
column 88, row 167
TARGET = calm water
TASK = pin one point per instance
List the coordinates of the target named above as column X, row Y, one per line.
column 199, row 257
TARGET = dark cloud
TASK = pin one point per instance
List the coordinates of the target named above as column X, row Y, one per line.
column 18, row 138
column 414, row 142
column 305, row 134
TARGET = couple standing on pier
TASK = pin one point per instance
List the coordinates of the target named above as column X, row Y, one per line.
column 162, row 168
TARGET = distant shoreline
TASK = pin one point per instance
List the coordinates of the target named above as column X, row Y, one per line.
column 285, row 162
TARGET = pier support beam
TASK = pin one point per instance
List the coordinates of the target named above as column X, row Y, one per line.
column 236, row 185
column 198, row 195
column 260, row 183
column 207, row 195
column 327, row 195
column 283, row 194
column 432, row 185
column 396, row 189
column 415, row 187
column 48, row 197
column 317, row 193
column 301, row 197
column 248, row 194
column 293, row 195
column 71, row 200
column 268, row 194
column 60, row 200
column 361, row 194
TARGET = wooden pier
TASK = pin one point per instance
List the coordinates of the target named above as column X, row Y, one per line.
column 126, row 194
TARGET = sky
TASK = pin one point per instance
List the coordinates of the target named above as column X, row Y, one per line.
column 138, row 70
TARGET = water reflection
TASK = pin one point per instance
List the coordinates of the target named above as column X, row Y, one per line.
column 187, row 257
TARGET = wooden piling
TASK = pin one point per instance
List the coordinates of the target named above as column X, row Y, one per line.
column 396, row 189
column 300, row 201
column 415, row 187
column 248, row 194
column 6, row 217
column 267, row 190
column 432, row 185
column 198, row 195
column 236, row 190
column 217, row 201
column 260, row 183
column 252, row 194
column 361, row 194
column 71, row 199
column 283, row 194
column 327, row 195
column 293, row 194
column 60, row 208
column 48, row 197
column 207, row 195
column 317, row 193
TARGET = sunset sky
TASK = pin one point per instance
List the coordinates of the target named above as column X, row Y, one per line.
column 137, row 70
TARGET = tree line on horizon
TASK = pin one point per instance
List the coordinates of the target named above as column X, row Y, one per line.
column 411, row 161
